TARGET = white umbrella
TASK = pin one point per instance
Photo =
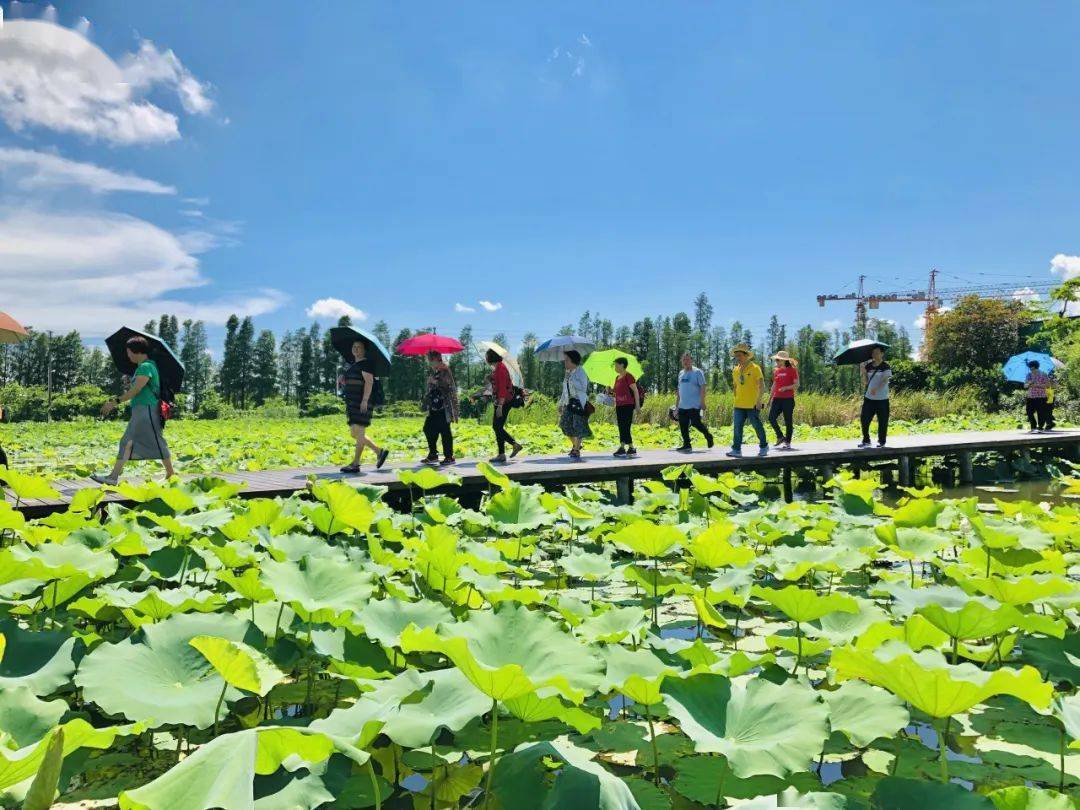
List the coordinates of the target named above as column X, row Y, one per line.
column 516, row 377
column 554, row 348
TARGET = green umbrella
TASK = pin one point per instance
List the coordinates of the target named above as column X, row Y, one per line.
column 600, row 366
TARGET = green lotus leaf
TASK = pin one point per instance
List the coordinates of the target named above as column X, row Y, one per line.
column 222, row 773
column 43, row 661
column 517, row 508
column 912, row 544
column 930, row 684
column 20, row 765
column 583, row 565
column 703, row 779
column 917, row 513
column 157, row 604
column 247, row 585
column 574, row 510
column 541, row 775
column 449, row 702
column 11, row 518
column 27, row 487
column 1022, row 590
column 896, row 793
column 176, row 684
column 319, row 583
column 842, row 628
column 864, row 713
column 54, row 561
column 511, row 651
column 242, row 666
column 43, row 789
column 426, row 478
column 652, row 581
column 803, row 604
column 1028, row 798
column 638, row 674
column 647, row 538
column 709, row 615
column 532, row 708
column 493, row 475
column 798, row 645
column 795, row 562
column 916, row 632
column 973, row 620
column 712, row 548
column 24, row 719
column 293, row 547
column 1066, row 709
column 1058, row 658
column 347, row 506
column 855, row 495
column 759, row 726
column 613, row 625
column 385, row 619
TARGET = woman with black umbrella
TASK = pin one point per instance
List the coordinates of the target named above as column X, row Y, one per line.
column 875, row 375
column 143, row 438
column 358, row 387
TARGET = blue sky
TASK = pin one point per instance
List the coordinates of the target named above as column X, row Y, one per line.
column 548, row 158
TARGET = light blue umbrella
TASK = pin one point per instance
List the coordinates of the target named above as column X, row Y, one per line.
column 1016, row 368
column 343, row 337
column 554, row 348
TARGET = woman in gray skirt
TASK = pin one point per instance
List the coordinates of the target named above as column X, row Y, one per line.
column 574, row 403
column 143, row 438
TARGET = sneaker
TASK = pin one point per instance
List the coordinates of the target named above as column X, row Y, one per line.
column 684, row 449
column 763, row 451
column 631, row 453
column 709, row 441
column 734, row 453
column 351, row 469
column 446, row 462
column 381, row 458
column 499, row 459
column 620, row 452
column 880, row 445
column 516, row 449
column 106, row 480
column 862, row 446
column 430, row 460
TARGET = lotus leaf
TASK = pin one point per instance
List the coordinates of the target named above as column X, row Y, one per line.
column 864, row 713
column 517, row 508
column 553, row 774
column 804, row 605
column 319, row 583
column 648, row 539
column 385, row 619
column 242, row 666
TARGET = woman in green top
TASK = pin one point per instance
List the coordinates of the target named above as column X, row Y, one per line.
column 143, row 438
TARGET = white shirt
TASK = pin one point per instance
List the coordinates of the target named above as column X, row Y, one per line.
column 578, row 384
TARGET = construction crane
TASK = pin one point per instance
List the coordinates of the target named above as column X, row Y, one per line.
column 932, row 296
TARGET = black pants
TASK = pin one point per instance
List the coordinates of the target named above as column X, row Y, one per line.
column 3, row 458
column 691, row 417
column 786, row 408
column 437, row 425
column 1038, row 412
column 498, row 424
column 624, row 417
column 870, row 409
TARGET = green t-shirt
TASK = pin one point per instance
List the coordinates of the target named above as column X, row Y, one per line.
column 147, row 396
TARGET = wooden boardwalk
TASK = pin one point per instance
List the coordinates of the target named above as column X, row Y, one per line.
column 596, row 466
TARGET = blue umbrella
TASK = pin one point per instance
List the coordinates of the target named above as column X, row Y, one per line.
column 343, row 337
column 1016, row 368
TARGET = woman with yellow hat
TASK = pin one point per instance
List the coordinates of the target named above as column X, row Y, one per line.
column 785, row 381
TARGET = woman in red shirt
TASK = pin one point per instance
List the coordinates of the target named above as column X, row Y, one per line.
column 785, row 381
column 627, row 403
column 502, row 391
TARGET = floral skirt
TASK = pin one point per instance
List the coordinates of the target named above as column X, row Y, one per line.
column 575, row 425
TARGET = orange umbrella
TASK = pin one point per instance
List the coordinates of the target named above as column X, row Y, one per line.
column 11, row 331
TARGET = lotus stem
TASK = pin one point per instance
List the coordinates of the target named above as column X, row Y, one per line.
column 798, row 648
column 942, row 749
column 277, row 623
column 1061, row 758
column 491, row 757
column 652, row 742
column 720, row 789
column 217, row 708
column 375, row 785
column 911, row 565
column 898, row 749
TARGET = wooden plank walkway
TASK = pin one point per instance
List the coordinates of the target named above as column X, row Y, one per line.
column 597, row 466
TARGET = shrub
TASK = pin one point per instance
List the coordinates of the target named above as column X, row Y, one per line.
column 24, row 403
column 323, row 404
column 83, row 400
column 214, row 407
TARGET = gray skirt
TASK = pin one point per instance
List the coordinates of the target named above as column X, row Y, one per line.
column 575, row 425
column 144, row 434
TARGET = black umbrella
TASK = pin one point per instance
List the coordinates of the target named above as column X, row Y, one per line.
column 343, row 337
column 170, row 369
column 858, row 351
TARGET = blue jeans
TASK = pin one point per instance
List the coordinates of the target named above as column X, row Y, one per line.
column 741, row 416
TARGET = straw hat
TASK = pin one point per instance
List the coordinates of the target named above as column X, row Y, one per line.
column 742, row 347
column 783, row 355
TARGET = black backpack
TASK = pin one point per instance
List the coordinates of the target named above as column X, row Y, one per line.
column 378, row 397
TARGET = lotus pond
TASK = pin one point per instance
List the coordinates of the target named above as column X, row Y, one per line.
column 705, row 647
column 75, row 449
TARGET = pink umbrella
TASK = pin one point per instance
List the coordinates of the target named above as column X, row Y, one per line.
column 422, row 344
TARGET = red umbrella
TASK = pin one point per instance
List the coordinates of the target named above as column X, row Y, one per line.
column 422, row 344
column 11, row 331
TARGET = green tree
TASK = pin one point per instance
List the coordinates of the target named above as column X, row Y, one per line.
column 305, row 373
column 245, row 366
column 228, row 374
column 264, row 368
column 977, row 333
column 198, row 368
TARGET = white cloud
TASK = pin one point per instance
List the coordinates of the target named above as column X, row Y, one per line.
column 1026, row 294
column 463, row 308
column 831, row 325
column 333, row 308
column 584, row 40
column 96, row 271
column 1065, row 266
column 490, row 306
column 55, row 78
column 920, row 322
column 28, row 170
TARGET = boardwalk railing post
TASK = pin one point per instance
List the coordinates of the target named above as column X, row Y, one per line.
column 905, row 470
column 788, row 494
column 624, row 490
column 967, row 472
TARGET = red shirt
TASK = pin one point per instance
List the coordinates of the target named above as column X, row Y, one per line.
column 624, row 394
column 781, row 378
column 501, row 386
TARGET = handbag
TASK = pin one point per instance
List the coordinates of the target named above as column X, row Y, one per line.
column 574, row 406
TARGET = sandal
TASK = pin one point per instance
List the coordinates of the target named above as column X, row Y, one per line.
column 351, row 469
